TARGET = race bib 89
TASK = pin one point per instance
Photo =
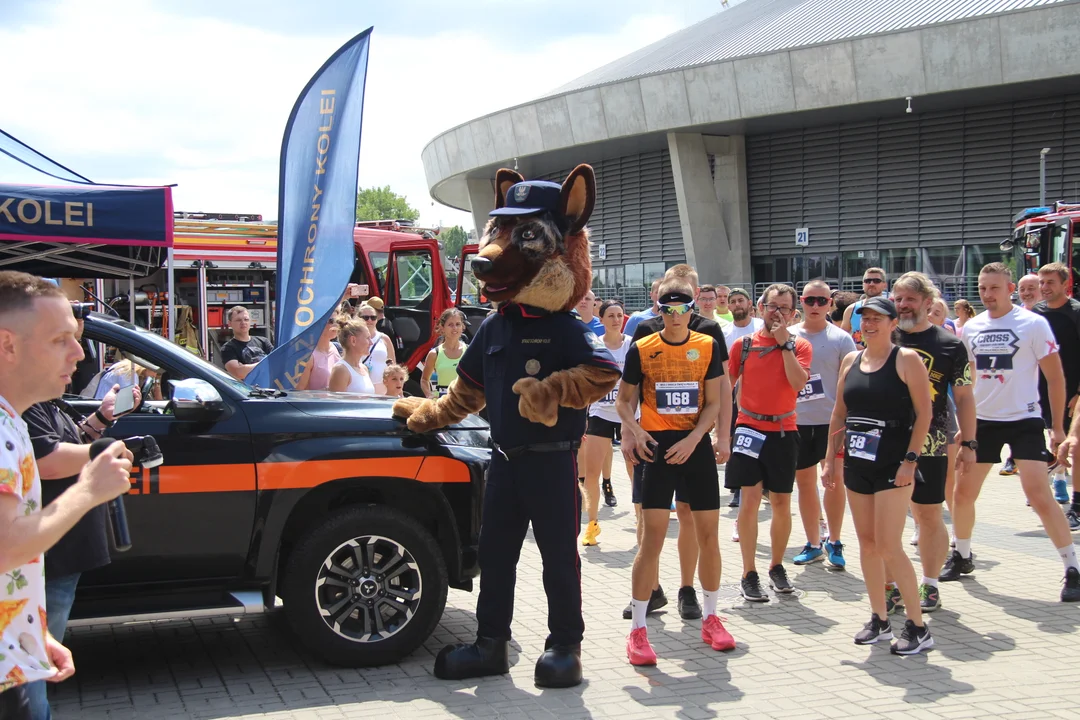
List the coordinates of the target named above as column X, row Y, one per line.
column 748, row 442
column 677, row 398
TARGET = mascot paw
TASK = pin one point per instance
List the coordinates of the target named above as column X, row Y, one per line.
column 539, row 403
column 420, row 413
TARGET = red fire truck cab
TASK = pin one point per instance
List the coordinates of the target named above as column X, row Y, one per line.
column 1044, row 235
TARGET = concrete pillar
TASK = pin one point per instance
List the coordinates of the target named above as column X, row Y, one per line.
column 481, row 202
column 713, row 213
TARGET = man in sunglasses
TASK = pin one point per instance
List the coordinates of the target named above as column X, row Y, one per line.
column 815, row 404
column 873, row 283
column 680, row 377
column 774, row 367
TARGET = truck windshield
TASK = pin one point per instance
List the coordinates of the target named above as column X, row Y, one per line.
column 174, row 350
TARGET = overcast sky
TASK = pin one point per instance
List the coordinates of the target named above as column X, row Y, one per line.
column 197, row 93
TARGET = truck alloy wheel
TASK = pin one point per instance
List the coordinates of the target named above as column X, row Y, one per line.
column 365, row 586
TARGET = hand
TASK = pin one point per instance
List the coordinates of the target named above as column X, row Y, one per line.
column 61, row 659
column 1057, row 437
column 780, row 332
column 905, row 475
column 828, row 481
column 722, row 449
column 681, row 451
column 1067, row 450
column 642, row 451
column 965, row 459
column 109, row 402
column 108, row 475
column 628, row 445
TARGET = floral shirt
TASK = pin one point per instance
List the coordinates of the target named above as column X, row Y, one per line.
column 23, row 657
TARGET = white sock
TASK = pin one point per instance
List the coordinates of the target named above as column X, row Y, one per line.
column 1068, row 556
column 639, row 608
column 816, row 547
column 932, row 582
column 963, row 547
column 891, row 585
column 710, row 601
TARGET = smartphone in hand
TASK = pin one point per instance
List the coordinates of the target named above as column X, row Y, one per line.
column 125, row 401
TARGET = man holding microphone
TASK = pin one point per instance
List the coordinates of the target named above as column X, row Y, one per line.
column 38, row 354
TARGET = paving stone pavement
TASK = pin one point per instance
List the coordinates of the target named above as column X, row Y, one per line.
column 1005, row 647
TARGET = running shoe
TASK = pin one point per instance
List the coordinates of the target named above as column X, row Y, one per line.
column 823, row 530
column 956, row 566
column 735, row 531
column 893, row 601
column 688, row 604
column 714, row 633
column 913, row 640
column 735, row 496
column 929, row 598
column 609, row 494
column 1074, row 519
column 656, row 601
column 834, row 554
column 1071, row 591
column 915, row 536
column 875, row 631
column 779, row 581
column 592, row 530
column 1061, row 490
column 751, row 588
column 1009, row 468
column 638, row 649
column 809, row 554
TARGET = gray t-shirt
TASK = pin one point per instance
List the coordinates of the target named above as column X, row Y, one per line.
column 814, row 405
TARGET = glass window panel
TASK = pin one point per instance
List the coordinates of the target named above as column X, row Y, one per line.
column 814, row 267
column 798, row 269
column 832, row 267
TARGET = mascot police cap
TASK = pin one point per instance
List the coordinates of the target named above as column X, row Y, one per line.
column 531, row 197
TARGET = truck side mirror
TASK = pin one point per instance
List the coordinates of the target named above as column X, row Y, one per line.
column 195, row 400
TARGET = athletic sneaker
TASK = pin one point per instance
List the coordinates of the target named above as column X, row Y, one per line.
column 1009, row 468
column 893, row 601
column 1074, row 519
column 735, row 496
column 809, row 554
column 834, row 554
column 592, row 530
column 956, row 566
column 873, row 632
column 638, row 649
column 929, row 598
column 915, row 536
column 656, row 601
column 735, row 531
column 751, row 588
column 778, row 580
column 609, row 494
column 1071, row 591
column 714, row 633
column 912, row 640
column 688, row 604
column 1061, row 490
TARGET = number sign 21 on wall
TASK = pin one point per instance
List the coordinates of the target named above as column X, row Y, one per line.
column 802, row 237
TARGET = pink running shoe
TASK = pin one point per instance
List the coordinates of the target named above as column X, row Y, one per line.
column 638, row 649
column 714, row 633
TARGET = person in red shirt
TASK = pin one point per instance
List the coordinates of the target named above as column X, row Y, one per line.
column 771, row 367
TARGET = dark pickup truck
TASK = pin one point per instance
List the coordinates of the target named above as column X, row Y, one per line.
column 323, row 500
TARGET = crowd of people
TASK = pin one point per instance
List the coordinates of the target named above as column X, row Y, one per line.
column 894, row 406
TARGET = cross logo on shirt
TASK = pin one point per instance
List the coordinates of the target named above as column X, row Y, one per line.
column 1053, row 346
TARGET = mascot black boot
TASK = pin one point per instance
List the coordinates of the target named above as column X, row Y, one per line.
column 536, row 367
column 486, row 656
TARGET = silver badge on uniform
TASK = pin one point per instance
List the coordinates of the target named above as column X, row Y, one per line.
column 532, row 366
column 521, row 192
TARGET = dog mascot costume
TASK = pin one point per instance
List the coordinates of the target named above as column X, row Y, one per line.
column 537, row 368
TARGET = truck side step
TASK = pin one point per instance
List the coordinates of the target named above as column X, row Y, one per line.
column 245, row 602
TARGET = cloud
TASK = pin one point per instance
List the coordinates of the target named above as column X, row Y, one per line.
column 127, row 91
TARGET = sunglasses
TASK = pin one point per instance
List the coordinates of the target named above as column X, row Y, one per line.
column 872, row 281
column 813, row 300
column 369, row 317
column 677, row 309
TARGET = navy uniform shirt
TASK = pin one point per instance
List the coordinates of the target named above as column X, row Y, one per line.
column 522, row 341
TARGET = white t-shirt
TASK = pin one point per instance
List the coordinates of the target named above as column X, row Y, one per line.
column 815, row 402
column 605, row 407
column 377, row 358
column 22, row 591
column 1006, row 352
column 733, row 332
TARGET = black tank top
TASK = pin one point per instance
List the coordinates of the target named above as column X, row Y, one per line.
column 879, row 415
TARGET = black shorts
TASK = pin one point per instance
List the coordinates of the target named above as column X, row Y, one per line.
column 868, row 481
column 1024, row 437
column 696, row 480
column 635, row 486
column 774, row 466
column 931, row 491
column 813, row 444
column 599, row 427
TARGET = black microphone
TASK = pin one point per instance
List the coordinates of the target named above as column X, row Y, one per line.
column 121, row 536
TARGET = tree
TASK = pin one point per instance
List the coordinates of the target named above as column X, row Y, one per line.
column 377, row 203
column 453, row 239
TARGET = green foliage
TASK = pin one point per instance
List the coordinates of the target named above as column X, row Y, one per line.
column 377, row 203
column 453, row 239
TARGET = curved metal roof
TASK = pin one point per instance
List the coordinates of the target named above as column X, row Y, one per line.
column 754, row 27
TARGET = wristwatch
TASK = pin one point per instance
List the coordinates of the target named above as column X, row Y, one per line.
column 911, row 457
column 789, row 345
column 970, row 444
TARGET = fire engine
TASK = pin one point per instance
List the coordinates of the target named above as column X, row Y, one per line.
column 227, row 260
column 1044, row 235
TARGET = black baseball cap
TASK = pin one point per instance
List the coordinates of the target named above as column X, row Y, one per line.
column 531, row 197
column 878, row 304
